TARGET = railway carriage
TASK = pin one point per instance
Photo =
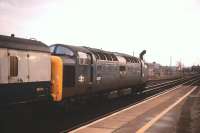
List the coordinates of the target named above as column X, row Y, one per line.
column 25, row 70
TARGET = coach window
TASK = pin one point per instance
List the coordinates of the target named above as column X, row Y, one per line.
column 64, row 51
column 13, row 66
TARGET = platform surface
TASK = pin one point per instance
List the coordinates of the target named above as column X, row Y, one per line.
column 171, row 112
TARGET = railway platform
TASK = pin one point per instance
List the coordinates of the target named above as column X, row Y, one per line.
column 174, row 111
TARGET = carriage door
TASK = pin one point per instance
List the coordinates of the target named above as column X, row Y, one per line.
column 86, row 69
column 18, row 66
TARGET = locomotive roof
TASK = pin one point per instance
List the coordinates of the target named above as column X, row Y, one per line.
column 115, row 53
column 98, row 50
column 73, row 48
column 122, row 54
column 22, row 44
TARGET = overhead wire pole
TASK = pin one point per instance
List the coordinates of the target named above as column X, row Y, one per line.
column 170, row 65
column 170, row 61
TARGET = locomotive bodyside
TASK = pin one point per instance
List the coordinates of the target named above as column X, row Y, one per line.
column 88, row 71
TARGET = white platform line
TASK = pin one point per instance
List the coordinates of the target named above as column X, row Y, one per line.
column 133, row 106
column 150, row 123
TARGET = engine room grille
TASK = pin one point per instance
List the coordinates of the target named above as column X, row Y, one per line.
column 69, row 76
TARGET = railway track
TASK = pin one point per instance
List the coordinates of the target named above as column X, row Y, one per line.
column 154, row 82
column 49, row 119
column 159, row 83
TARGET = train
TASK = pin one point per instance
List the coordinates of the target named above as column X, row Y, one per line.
column 33, row 71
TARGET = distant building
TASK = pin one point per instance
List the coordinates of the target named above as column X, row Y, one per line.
column 153, row 70
column 156, row 71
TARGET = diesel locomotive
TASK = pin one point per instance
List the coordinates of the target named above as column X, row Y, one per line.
column 30, row 70
column 88, row 71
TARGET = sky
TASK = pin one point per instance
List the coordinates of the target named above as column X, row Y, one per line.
column 165, row 28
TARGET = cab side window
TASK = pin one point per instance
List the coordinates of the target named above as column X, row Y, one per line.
column 13, row 66
column 83, row 58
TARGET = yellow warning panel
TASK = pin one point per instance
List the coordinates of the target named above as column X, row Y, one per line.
column 56, row 78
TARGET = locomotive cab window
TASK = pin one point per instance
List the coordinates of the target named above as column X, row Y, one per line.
column 52, row 49
column 13, row 66
column 84, row 58
column 64, row 51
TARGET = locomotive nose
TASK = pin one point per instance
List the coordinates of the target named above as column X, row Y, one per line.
column 56, row 78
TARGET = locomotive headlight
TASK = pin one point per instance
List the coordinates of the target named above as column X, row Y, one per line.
column 98, row 79
column 81, row 79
